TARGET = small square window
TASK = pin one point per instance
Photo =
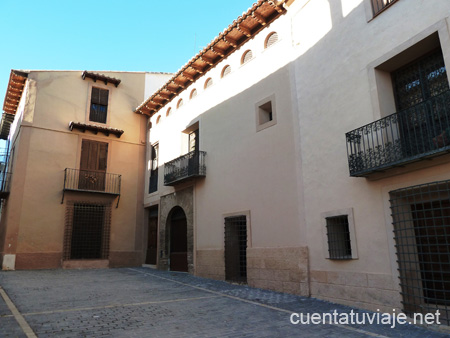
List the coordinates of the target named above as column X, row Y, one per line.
column 99, row 105
column 265, row 113
column 339, row 235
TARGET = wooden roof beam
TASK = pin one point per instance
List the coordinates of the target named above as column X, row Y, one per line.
column 259, row 18
column 179, row 83
column 218, row 51
column 164, row 96
column 188, row 76
column 198, row 69
column 244, row 30
column 207, row 60
column 230, row 41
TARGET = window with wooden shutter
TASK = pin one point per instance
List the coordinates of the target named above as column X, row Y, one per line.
column 99, row 105
column 93, row 163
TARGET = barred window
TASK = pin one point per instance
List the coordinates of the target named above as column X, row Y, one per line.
column 338, row 234
column 225, row 71
column 87, row 230
column 379, row 5
column 193, row 93
column 208, row 83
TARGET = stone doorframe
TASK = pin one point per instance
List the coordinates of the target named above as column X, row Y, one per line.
column 185, row 200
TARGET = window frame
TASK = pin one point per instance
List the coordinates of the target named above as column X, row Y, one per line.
column 351, row 228
column 89, row 103
column 260, row 125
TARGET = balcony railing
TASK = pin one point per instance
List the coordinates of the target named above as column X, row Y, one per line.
column 5, row 184
column 95, row 181
column 185, row 167
column 419, row 132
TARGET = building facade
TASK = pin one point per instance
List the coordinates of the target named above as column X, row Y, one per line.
column 304, row 150
column 73, row 190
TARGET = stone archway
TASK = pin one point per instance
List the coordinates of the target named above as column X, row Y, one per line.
column 177, row 239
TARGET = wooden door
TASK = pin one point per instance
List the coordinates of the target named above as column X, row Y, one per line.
column 93, row 164
column 152, row 240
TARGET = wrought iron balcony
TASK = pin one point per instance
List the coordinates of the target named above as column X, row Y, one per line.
column 185, row 167
column 413, row 134
column 93, row 181
column 5, row 183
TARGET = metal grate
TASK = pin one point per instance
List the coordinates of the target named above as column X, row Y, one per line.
column 248, row 55
column 421, row 219
column 338, row 234
column 226, row 70
column 271, row 39
column 379, row 5
column 87, row 231
column 193, row 164
column 236, row 249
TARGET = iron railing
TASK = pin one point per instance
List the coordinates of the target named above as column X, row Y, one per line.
column 96, row 181
column 419, row 132
column 184, row 167
column 5, row 184
column 379, row 5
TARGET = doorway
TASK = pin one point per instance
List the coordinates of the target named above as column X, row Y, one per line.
column 177, row 224
column 152, row 236
column 236, row 249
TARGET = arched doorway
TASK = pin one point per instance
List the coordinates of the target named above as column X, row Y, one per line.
column 177, row 225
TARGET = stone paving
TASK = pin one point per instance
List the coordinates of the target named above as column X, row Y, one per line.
column 142, row 302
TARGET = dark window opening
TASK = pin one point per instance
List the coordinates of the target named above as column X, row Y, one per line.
column 265, row 113
column 421, row 219
column 379, row 5
column 153, row 185
column 87, row 231
column 236, row 249
column 99, row 105
column 338, row 234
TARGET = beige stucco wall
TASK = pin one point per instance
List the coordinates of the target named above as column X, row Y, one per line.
column 45, row 146
column 338, row 92
column 322, row 73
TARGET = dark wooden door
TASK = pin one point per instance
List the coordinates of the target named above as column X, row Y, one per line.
column 178, row 242
column 152, row 240
column 93, row 163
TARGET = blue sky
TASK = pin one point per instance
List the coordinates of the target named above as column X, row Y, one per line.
column 134, row 35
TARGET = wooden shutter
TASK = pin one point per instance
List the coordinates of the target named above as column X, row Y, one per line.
column 94, row 155
column 99, row 96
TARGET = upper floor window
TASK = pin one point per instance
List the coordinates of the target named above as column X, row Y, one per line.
column 208, row 83
column 271, row 39
column 169, row 111
column 247, row 56
column 193, row 93
column 158, row 119
column 99, row 105
column 379, row 5
column 180, row 103
column 225, row 71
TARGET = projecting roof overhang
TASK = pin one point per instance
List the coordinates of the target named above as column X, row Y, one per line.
column 245, row 27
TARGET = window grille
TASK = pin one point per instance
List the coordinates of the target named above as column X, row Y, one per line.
column 158, row 119
column 180, row 103
column 271, row 39
column 338, row 234
column 87, row 231
column 208, row 83
column 236, row 249
column 247, row 56
column 226, row 70
column 379, row 5
column 169, row 111
column 99, row 105
column 421, row 219
column 193, row 93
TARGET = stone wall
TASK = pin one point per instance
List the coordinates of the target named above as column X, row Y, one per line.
column 210, row 264
column 184, row 199
column 279, row 269
column 363, row 290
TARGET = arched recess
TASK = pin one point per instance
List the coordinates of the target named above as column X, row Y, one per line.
column 176, row 239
